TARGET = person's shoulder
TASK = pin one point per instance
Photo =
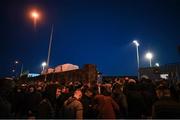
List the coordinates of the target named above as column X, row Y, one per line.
column 77, row 102
column 98, row 96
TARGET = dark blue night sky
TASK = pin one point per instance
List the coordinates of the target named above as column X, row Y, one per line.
column 89, row 31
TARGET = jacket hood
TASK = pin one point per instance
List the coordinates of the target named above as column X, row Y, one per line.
column 70, row 100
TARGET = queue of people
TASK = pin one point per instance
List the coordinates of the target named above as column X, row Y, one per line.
column 123, row 99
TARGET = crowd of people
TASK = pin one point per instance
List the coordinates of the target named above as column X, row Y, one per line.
column 122, row 99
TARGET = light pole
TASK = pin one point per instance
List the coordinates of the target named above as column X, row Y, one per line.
column 149, row 56
column 49, row 51
column 50, row 44
column 137, row 53
column 35, row 15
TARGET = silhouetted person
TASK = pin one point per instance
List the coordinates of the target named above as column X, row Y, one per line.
column 33, row 101
column 121, row 100
column 45, row 109
column 61, row 97
column 87, row 101
column 136, row 103
column 165, row 107
column 105, row 106
column 20, row 103
column 5, row 105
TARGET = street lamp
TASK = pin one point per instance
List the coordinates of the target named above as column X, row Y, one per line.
column 157, row 64
column 137, row 53
column 149, row 56
column 35, row 16
column 43, row 65
column 17, row 62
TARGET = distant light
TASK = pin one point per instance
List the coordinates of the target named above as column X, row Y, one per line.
column 149, row 55
column 16, row 62
column 33, row 75
column 43, row 64
column 157, row 64
column 136, row 42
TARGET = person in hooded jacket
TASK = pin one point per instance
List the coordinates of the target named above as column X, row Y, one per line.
column 104, row 104
column 73, row 108
column 87, row 101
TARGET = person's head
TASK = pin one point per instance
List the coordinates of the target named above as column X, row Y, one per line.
column 77, row 85
column 88, row 92
column 178, row 86
column 18, row 90
column 58, row 92
column 39, row 88
column 163, row 91
column 78, row 94
column 131, row 81
column 117, row 88
column 63, row 89
column 105, row 90
column 31, row 89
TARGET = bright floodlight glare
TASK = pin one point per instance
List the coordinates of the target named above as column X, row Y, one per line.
column 34, row 14
column 149, row 55
column 136, row 42
column 157, row 64
column 44, row 64
column 16, row 62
